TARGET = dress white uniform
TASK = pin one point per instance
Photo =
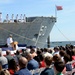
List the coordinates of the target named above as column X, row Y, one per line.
column 12, row 43
column 9, row 41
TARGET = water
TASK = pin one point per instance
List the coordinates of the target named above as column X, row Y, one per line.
column 60, row 43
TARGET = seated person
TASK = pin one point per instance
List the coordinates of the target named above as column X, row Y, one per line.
column 23, row 67
column 3, row 71
column 59, row 67
column 48, row 70
column 67, row 65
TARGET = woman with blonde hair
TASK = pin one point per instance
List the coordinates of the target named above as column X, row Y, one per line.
column 3, row 71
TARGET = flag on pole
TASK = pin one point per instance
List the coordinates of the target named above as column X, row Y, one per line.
column 59, row 8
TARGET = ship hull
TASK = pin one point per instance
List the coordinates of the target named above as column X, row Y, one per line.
column 34, row 33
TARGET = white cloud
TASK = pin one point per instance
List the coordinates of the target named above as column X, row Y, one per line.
column 6, row 1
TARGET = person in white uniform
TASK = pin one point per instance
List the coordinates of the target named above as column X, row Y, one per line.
column 9, row 41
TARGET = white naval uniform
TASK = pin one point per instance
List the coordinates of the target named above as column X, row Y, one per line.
column 9, row 41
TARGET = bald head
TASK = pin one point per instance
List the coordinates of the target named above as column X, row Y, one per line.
column 22, row 62
column 29, row 56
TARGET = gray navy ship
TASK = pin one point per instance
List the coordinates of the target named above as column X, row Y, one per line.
column 32, row 31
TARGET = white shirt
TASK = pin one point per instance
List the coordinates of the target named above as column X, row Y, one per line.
column 3, row 60
column 9, row 41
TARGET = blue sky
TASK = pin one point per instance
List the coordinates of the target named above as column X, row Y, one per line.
column 63, row 30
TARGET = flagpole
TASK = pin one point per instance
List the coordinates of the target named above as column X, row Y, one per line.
column 55, row 11
column 57, row 8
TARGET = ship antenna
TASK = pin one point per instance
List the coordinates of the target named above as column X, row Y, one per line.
column 7, row 17
column 0, row 16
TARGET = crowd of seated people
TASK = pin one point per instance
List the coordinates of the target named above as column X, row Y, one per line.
column 56, row 61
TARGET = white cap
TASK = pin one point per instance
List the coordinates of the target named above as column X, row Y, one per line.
column 10, row 35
